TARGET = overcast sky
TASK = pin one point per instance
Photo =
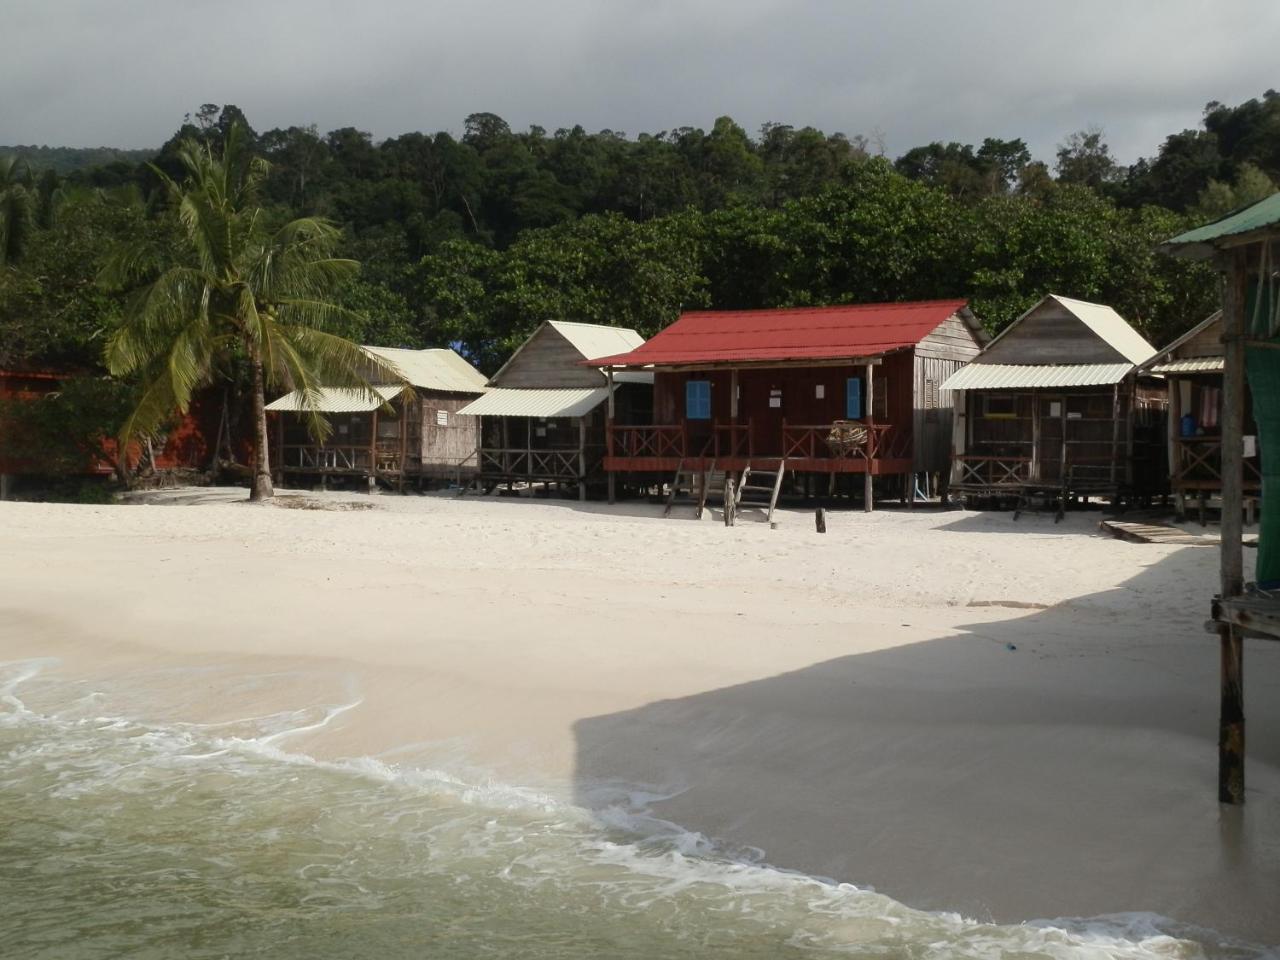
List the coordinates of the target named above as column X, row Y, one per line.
column 123, row 73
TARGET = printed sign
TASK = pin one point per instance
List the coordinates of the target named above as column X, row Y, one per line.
column 442, row 418
column 820, row 391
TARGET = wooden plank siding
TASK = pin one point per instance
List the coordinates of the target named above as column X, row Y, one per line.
column 547, row 360
column 1051, row 334
column 445, row 446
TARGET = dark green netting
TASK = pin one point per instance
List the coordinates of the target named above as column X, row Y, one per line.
column 1263, row 366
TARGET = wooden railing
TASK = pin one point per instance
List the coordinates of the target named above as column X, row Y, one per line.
column 532, row 464
column 1198, row 460
column 991, row 472
column 814, row 442
column 722, row 440
column 311, row 457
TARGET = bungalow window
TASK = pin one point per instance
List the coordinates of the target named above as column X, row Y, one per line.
column 853, row 399
column 999, row 406
column 697, row 399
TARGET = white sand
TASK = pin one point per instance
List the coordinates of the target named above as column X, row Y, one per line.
column 849, row 703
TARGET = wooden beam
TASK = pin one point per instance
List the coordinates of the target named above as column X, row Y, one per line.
column 733, row 395
column 582, row 458
column 768, row 364
column 1231, row 728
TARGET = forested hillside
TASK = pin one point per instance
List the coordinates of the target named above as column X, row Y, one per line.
column 475, row 239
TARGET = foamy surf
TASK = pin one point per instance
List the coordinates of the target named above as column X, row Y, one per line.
column 136, row 839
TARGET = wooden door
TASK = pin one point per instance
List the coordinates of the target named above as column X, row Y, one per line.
column 1050, row 413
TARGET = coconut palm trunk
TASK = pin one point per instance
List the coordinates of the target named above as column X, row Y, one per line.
column 260, row 487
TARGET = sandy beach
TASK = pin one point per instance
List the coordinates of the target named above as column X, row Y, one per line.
column 1008, row 720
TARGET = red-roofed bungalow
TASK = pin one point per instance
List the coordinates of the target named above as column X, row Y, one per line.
column 789, row 389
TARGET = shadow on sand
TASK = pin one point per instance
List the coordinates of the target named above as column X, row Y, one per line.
column 1038, row 766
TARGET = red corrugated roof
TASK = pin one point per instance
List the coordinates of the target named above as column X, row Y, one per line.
column 793, row 333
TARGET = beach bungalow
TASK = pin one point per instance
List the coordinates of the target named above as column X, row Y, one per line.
column 806, row 392
column 542, row 419
column 1192, row 368
column 1058, row 404
column 412, row 436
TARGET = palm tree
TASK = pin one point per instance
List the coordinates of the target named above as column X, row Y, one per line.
column 17, row 207
column 234, row 282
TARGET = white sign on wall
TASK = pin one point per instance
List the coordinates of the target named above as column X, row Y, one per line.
column 442, row 418
column 820, row 391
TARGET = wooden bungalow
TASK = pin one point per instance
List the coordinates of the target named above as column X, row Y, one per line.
column 1057, row 405
column 831, row 391
column 412, row 436
column 1192, row 367
column 542, row 419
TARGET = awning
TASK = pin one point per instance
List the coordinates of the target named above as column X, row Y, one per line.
column 334, row 400
column 1028, row 376
column 1191, row 365
column 510, row 402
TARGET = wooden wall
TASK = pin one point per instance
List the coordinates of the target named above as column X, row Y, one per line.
column 1051, row 334
column 447, row 444
column 797, row 392
column 1206, row 343
column 548, row 360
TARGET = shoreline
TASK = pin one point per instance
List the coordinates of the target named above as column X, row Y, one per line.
column 849, row 704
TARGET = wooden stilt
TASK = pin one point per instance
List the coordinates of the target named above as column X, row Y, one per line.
column 867, row 491
column 820, row 520
column 1231, row 728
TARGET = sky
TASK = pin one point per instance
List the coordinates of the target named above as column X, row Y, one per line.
column 123, row 74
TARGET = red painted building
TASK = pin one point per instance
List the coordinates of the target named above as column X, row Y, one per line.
column 779, row 389
column 188, row 443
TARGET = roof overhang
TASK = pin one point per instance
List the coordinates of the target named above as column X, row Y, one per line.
column 1026, row 376
column 1191, row 365
column 682, row 366
column 537, row 402
column 335, row 400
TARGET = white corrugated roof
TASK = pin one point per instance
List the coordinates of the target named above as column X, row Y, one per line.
column 1111, row 327
column 1191, row 365
column 512, row 402
column 439, row 369
column 596, row 340
column 335, row 400
column 1025, row 376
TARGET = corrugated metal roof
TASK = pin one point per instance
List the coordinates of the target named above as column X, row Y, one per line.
column 597, row 340
column 512, row 402
column 793, row 333
column 1191, row 365
column 438, row 369
column 335, row 400
column 1022, row 376
column 1202, row 241
column 1111, row 327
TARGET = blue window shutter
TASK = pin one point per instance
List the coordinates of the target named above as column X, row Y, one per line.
column 853, row 399
column 697, row 399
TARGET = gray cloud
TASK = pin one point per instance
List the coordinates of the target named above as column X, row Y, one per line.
column 88, row 73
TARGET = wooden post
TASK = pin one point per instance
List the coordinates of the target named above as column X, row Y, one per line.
column 278, row 479
column 1231, row 649
column 404, row 443
column 868, row 484
column 1035, row 435
column 582, row 458
column 373, row 451
column 733, row 395
column 730, row 501
column 820, row 520
column 1115, row 442
column 611, row 410
column 1173, row 428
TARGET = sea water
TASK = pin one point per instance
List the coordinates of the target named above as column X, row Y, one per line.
column 122, row 838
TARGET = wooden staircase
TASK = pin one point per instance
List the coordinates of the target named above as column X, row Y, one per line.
column 761, row 487
column 697, row 485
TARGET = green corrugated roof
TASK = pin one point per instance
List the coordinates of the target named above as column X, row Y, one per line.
column 1202, row 241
